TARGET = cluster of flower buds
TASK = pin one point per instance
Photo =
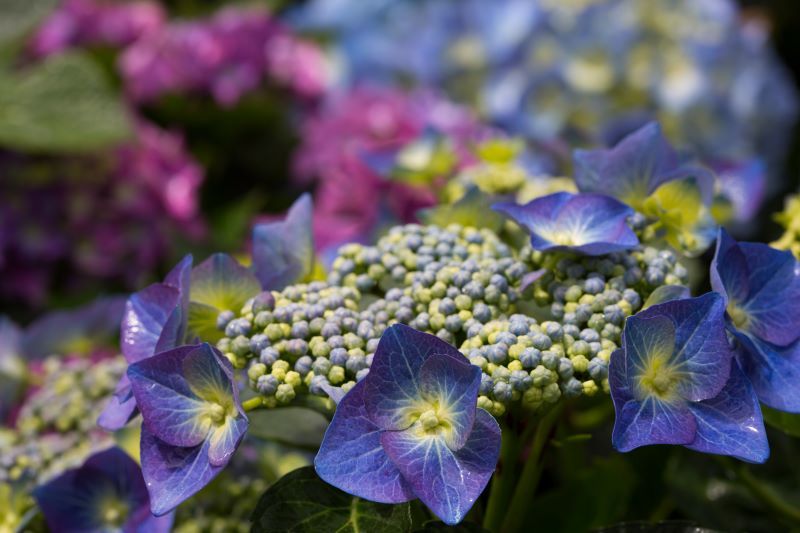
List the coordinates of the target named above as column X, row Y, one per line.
column 56, row 427
column 462, row 284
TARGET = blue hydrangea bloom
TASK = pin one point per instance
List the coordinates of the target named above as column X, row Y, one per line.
column 411, row 429
column 193, row 421
column 590, row 224
column 634, row 168
column 154, row 320
column 761, row 289
column 283, row 251
column 107, row 493
column 675, row 381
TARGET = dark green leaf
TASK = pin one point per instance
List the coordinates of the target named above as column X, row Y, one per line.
column 667, row 526
column 289, row 425
column 301, row 502
column 789, row 423
column 61, row 105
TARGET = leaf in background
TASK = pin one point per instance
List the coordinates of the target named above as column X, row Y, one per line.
column 18, row 17
column 473, row 209
column 789, row 423
column 301, row 502
column 464, row 527
column 61, row 105
column 667, row 526
column 289, row 425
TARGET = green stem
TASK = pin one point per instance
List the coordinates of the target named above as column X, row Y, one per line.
column 503, row 481
column 767, row 495
column 529, row 479
column 253, row 403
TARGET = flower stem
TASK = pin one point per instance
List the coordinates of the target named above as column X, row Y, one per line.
column 767, row 495
column 253, row 403
column 529, row 479
column 503, row 481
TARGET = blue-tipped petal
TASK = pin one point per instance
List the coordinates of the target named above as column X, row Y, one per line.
column 283, row 252
column 702, row 353
column 731, row 423
column 174, row 332
column 173, row 474
column 120, row 408
column 171, row 409
column 652, row 422
column 452, row 383
column 351, row 456
column 74, row 500
column 392, row 389
column 590, row 224
column 146, row 314
column 635, row 167
column 774, row 371
column 447, row 481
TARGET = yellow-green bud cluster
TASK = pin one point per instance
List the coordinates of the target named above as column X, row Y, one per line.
column 536, row 364
column 599, row 293
column 409, row 249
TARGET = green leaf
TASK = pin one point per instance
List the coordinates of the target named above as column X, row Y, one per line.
column 473, row 209
column 61, row 105
column 301, row 502
column 18, row 17
column 789, row 423
column 666, row 526
column 289, row 425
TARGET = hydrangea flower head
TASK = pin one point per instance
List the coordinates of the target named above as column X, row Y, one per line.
column 589, row 224
column 107, row 493
column 761, row 290
column 675, row 381
column 411, row 429
column 193, row 420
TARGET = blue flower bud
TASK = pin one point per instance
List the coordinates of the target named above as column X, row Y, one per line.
column 520, row 380
column 267, row 384
column 258, row 342
column 502, row 391
column 303, row 365
column 572, row 388
column 223, row 319
column 598, row 369
column 268, row 356
column 338, row 356
column 550, row 360
column 321, row 366
column 530, row 358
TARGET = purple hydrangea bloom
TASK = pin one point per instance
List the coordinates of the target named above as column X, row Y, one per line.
column 675, row 381
column 227, row 55
column 155, row 319
column 634, row 168
column 761, row 289
column 411, row 429
column 107, row 493
column 283, row 251
column 88, row 22
column 742, row 183
column 193, row 421
column 590, row 224
column 145, row 190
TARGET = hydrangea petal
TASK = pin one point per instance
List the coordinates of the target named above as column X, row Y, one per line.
column 633, row 169
column 731, row 423
column 702, row 353
column 447, row 481
column 649, row 338
column 652, row 422
column 591, row 224
column 224, row 440
column 729, row 269
column 173, row 474
column 73, row 501
column 174, row 333
column 392, row 389
column 452, row 383
column 774, row 371
column 171, row 409
column 351, row 456
column 146, row 314
column 221, row 282
column 120, row 408
column 283, row 252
